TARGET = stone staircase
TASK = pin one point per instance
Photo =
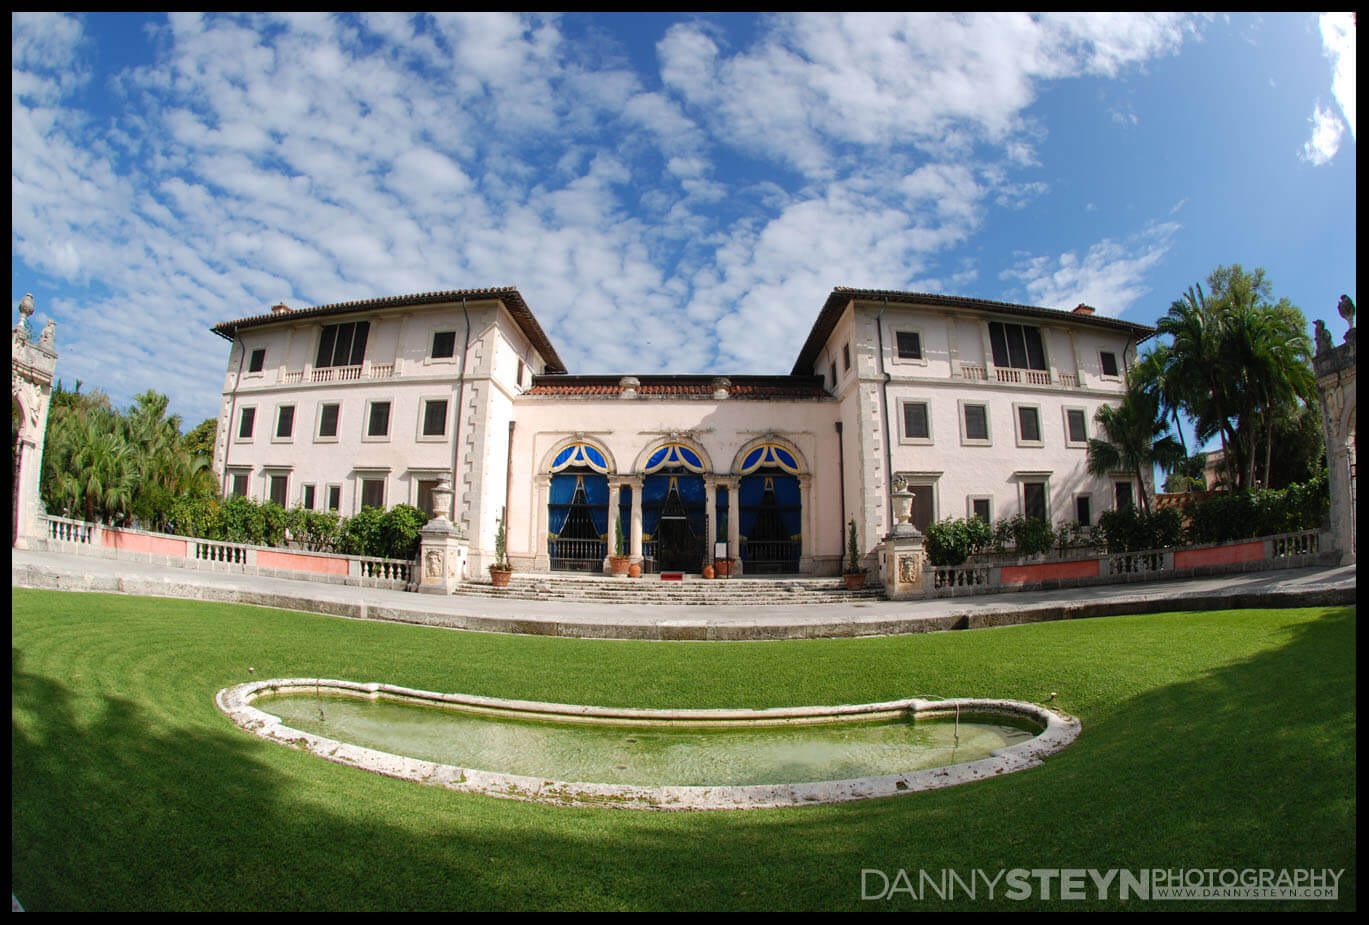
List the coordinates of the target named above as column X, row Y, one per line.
column 651, row 589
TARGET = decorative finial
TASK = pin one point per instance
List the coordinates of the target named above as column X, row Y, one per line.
column 1347, row 310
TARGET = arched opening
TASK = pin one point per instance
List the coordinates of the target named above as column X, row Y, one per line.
column 577, row 509
column 674, row 521
column 770, row 508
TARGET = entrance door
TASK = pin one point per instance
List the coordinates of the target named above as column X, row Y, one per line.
column 673, row 515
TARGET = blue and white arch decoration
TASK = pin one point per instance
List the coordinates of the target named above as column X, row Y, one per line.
column 669, row 455
column 580, row 454
column 770, row 455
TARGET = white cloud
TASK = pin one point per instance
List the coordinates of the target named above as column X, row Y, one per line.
column 1325, row 140
column 1338, row 42
column 1110, row 277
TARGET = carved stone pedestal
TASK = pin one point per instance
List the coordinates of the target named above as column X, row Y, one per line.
column 900, row 552
column 443, row 550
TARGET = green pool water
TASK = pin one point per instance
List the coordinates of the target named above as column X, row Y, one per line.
column 647, row 755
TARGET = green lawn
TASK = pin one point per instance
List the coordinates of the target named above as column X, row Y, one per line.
column 1222, row 740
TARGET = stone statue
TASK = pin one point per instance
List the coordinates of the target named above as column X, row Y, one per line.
column 1323, row 336
column 1347, row 310
column 49, row 332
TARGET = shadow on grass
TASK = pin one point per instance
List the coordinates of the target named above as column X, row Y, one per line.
column 1251, row 765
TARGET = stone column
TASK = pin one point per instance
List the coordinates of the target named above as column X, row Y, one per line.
column 806, row 536
column 611, row 523
column 1335, row 370
column 734, row 530
column 636, row 527
column 32, row 363
column 442, row 556
column 710, row 516
column 541, row 561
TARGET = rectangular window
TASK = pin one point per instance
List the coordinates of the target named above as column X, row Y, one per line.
column 257, row 362
column 519, row 377
column 434, row 418
column 1109, row 364
column 1122, row 495
column 308, row 501
column 915, row 421
column 379, row 424
column 1016, row 346
column 342, row 344
column 334, row 497
column 1074, row 419
column 279, row 484
column 979, row 507
column 834, row 375
column 1029, row 425
column 285, row 422
column 444, row 345
column 1083, row 509
column 373, row 493
column 1034, row 500
column 249, row 418
column 845, row 356
column 239, row 485
column 976, row 422
column 909, row 345
column 327, row 421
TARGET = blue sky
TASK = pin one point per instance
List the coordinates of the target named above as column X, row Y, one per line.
column 670, row 193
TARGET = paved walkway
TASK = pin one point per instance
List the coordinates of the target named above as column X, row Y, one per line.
column 1305, row 587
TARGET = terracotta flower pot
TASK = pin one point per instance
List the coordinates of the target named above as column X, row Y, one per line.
column 634, row 570
column 708, row 571
column 854, row 580
column 618, row 565
column 500, row 576
column 722, row 567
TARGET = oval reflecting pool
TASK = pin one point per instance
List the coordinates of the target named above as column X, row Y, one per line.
column 671, row 759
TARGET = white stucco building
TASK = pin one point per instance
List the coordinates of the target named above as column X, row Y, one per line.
column 984, row 407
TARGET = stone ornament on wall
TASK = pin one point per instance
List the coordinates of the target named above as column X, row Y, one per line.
column 910, row 570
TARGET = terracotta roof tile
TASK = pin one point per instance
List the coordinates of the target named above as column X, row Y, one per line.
column 751, row 388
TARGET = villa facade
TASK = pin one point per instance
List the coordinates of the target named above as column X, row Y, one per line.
column 983, row 408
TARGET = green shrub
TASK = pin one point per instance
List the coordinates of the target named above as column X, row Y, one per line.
column 194, row 516
column 1129, row 529
column 399, row 528
column 1260, row 512
column 362, row 535
column 1027, row 536
column 953, row 540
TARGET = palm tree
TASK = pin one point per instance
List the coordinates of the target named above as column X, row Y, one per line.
column 1137, row 438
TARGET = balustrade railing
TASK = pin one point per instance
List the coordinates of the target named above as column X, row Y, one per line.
column 70, row 531
column 978, row 373
column 382, row 370
column 770, row 556
column 386, row 569
column 1148, row 562
column 226, row 553
column 959, row 576
column 1292, row 545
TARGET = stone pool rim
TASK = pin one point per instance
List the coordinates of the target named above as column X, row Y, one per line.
column 1057, row 732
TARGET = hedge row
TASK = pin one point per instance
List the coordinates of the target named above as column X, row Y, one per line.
column 391, row 534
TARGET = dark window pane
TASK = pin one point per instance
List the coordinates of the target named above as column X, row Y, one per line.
column 435, row 419
column 334, row 497
column 1031, row 424
column 1078, row 434
column 380, row 420
column 1034, row 500
column 909, row 345
column 308, row 497
column 285, row 423
column 327, row 423
column 519, row 378
column 249, row 418
column 239, row 486
column 915, row 420
column 258, row 361
column 325, row 346
column 981, row 509
column 1123, row 494
column 834, row 375
column 278, row 485
column 342, row 350
column 921, row 513
column 1036, row 354
column 1082, row 513
column 1109, row 364
column 373, row 493
column 1017, row 346
column 846, row 356
column 444, row 344
column 999, row 342
column 976, row 422
column 363, row 328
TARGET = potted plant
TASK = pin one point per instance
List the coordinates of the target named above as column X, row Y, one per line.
column 618, row 562
column 501, row 569
column 854, row 574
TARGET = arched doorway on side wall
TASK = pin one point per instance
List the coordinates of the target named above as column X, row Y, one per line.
column 770, row 506
column 577, row 509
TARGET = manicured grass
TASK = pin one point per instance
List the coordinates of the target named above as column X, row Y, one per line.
column 1219, row 740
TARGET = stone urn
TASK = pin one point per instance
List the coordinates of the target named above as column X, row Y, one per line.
column 499, row 577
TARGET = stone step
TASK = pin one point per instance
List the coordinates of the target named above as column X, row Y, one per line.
column 693, row 590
